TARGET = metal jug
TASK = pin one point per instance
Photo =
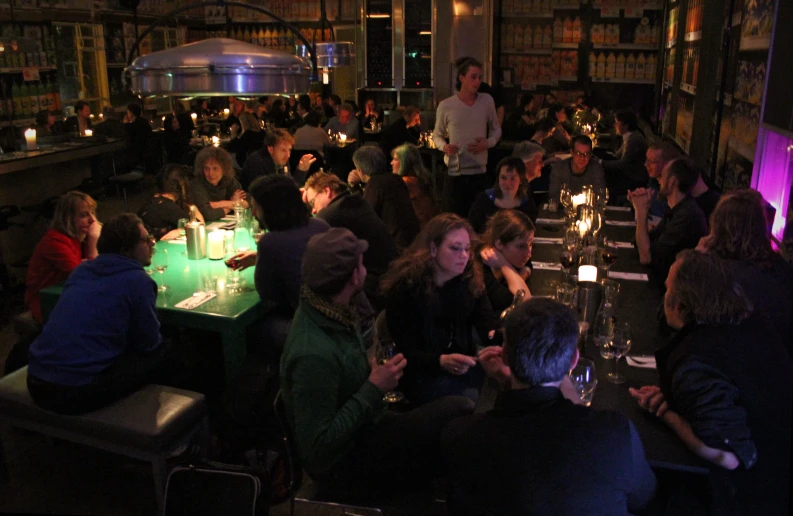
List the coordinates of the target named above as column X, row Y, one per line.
column 196, row 234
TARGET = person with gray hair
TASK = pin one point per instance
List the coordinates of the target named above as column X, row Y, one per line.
column 540, row 436
column 531, row 154
column 344, row 122
column 388, row 195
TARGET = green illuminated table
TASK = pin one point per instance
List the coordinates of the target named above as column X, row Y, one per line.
column 230, row 313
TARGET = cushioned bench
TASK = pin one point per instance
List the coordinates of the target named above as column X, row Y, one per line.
column 150, row 424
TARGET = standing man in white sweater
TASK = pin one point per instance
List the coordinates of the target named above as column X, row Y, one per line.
column 469, row 120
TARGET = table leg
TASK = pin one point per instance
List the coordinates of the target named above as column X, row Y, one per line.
column 234, row 352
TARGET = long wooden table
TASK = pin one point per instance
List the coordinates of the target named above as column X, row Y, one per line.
column 637, row 304
column 230, row 313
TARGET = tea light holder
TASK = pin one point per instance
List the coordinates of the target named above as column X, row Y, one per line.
column 194, row 117
column 215, row 141
column 89, row 132
column 587, row 273
column 342, row 138
column 30, row 139
column 226, row 113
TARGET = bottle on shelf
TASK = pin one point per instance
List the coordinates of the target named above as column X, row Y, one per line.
column 577, row 30
column 547, row 36
column 619, row 71
column 601, row 66
column 33, row 95
column 611, row 65
column 649, row 70
column 517, row 42
column 567, row 31
column 537, row 37
column 593, row 65
column 630, row 67
column 558, row 30
column 641, row 62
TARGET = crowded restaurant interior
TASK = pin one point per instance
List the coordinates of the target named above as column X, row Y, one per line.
column 415, row 257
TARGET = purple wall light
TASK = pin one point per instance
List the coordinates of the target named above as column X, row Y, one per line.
column 773, row 174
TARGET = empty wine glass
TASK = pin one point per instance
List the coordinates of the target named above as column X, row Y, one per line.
column 566, row 198
column 584, row 379
column 604, row 330
column 620, row 345
column 160, row 263
column 386, row 350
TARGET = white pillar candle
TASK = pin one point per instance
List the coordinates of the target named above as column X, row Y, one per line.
column 217, row 248
column 89, row 132
column 30, row 139
column 583, row 227
column 342, row 137
column 194, row 117
column 215, row 141
column 226, row 113
column 578, row 200
column 587, row 273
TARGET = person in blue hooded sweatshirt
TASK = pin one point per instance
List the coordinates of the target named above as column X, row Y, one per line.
column 102, row 340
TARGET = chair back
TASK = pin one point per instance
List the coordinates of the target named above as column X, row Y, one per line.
column 295, row 468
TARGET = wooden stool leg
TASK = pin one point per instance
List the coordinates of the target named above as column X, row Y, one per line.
column 160, row 473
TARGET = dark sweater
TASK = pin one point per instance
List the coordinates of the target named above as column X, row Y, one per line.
column 161, row 215
column 484, row 207
column 389, row 197
column 202, row 193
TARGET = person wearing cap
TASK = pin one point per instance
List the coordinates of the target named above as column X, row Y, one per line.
column 333, row 393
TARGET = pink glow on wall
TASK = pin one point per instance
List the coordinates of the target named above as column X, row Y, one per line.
column 773, row 174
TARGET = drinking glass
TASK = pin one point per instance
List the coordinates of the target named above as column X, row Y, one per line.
column 603, row 331
column 180, row 225
column 566, row 198
column 386, row 350
column 233, row 280
column 608, row 253
column 567, row 258
column 584, row 379
column 160, row 263
column 566, row 294
column 620, row 345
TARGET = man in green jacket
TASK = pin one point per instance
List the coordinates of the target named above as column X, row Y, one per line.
column 333, row 392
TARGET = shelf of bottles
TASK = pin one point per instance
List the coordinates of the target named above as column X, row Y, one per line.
column 688, row 81
column 379, row 44
column 28, row 77
column 418, row 43
column 668, row 71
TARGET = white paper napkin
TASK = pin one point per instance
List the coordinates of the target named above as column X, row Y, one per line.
column 195, row 300
column 643, row 361
column 550, row 221
column 618, row 208
column 636, row 276
column 623, row 245
column 547, row 240
column 547, row 266
column 621, row 223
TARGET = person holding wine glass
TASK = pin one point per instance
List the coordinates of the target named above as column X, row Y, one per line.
column 507, row 250
column 277, row 205
column 435, row 298
column 540, row 435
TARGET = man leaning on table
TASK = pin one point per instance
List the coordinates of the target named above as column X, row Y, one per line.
column 681, row 227
column 538, row 452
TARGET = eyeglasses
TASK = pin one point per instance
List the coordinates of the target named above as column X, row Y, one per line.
column 148, row 239
column 311, row 201
column 582, row 154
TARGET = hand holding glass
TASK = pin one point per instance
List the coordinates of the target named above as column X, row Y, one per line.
column 584, row 379
column 385, row 352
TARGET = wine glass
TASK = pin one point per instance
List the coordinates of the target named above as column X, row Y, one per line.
column 608, row 253
column 160, row 263
column 603, row 331
column 620, row 345
column 386, row 350
column 566, row 294
column 584, row 379
column 566, row 198
column 567, row 257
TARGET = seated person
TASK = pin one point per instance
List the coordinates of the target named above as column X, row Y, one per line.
column 347, row 441
column 659, row 154
column 577, row 171
column 540, row 451
column 519, row 125
column 543, row 130
column 406, row 162
column 331, row 201
column 277, row 114
column 302, row 109
column 162, row 212
column 274, row 159
column 310, row 136
column 560, row 140
column 80, row 121
column 251, row 139
column 111, row 126
column 510, row 192
column 627, row 172
column 725, row 388
column 406, row 129
column 344, row 123
column 682, row 226
column 387, row 194
column 214, row 189
column 371, row 114
column 506, row 251
column 739, row 235
column 175, row 139
column 435, row 298
column 71, row 239
column 45, row 123
column 100, row 342
column 237, row 108
column 277, row 204
column 531, row 155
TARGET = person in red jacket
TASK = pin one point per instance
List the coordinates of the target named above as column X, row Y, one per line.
column 70, row 240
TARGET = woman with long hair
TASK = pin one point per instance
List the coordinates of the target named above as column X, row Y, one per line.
column 435, row 297
column 739, row 234
column 161, row 213
column 511, row 191
column 71, row 239
column 506, row 250
column 251, row 139
column 215, row 189
column 406, row 162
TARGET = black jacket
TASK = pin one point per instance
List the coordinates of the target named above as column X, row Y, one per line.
column 538, row 453
column 734, row 386
column 260, row 163
column 389, row 197
column 246, row 143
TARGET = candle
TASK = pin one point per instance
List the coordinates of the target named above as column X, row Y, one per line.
column 342, row 137
column 217, row 248
column 578, row 200
column 30, row 139
column 194, row 117
column 583, row 227
column 101, row 115
column 226, row 113
column 89, row 132
column 215, row 141
column 587, row 273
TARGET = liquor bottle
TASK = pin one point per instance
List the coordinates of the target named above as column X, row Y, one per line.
column 33, row 95
column 24, row 101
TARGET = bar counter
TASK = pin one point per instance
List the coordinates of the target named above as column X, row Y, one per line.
column 48, row 155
